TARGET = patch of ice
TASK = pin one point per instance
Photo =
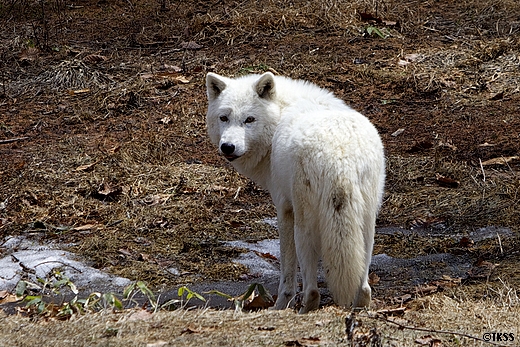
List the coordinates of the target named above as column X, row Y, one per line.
column 256, row 263
column 39, row 260
column 174, row 271
column 271, row 221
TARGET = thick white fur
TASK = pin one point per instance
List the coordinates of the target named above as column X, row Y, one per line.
column 323, row 164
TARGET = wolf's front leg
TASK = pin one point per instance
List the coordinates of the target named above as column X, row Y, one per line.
column 288, row 260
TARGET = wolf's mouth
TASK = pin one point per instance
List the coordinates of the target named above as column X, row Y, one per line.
column 231, row 157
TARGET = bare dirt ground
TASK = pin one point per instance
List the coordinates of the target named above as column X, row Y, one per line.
column 103, row 146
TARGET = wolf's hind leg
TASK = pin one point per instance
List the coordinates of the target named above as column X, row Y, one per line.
column 364, row 294
column 308, row 251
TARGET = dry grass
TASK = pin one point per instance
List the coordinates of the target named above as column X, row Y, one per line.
column 463, row 321
column 414, row 193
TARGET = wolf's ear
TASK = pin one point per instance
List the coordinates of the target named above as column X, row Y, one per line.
column 265, row 86
column 215, row 84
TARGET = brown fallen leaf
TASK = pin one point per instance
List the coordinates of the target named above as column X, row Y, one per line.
column 182, row 79
column 373, row 278
column 108, row 190
column 428, row 340
column 448, row 145
column 500, row 160
column 145, row 257
column 266, row 255
column 85, row 227
column 258, row 303
column 446, row 181
column 95, row 58
column 86, row 167
column 6, row 297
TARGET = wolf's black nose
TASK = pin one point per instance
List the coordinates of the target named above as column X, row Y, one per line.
column 227, row 148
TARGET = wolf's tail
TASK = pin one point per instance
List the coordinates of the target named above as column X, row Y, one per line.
column 347, row 240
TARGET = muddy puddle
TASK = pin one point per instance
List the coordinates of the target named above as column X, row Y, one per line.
column 391, row 276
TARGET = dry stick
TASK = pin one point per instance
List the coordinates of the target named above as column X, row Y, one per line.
column 482, row 168
column 59, row 262
column 507, row 163
column 500, row 243
column 402, row 326
column 13, row 140
column 236, row 194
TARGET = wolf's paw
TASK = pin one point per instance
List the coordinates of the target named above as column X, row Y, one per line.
column 363, row 299
column 285, row 300
column 311, row 301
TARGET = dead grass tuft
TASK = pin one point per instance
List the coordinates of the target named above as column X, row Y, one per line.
column 414, row 191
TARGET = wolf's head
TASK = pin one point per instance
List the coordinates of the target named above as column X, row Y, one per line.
column 242, row 116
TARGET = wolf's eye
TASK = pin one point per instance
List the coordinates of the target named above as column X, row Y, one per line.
column 224, row 118
column 249, row 120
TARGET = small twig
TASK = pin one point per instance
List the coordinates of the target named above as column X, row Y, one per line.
column 500, row 243
column 59, row 262
column 482, row 168
column 402, row 326
column 509, row 166
column 236, row 194
column 13, row 140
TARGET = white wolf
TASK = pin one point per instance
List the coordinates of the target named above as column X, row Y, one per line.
column 323, row 164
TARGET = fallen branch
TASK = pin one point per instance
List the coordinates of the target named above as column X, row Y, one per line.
column 402, row 326
column 59, row 262
column 13, row 140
